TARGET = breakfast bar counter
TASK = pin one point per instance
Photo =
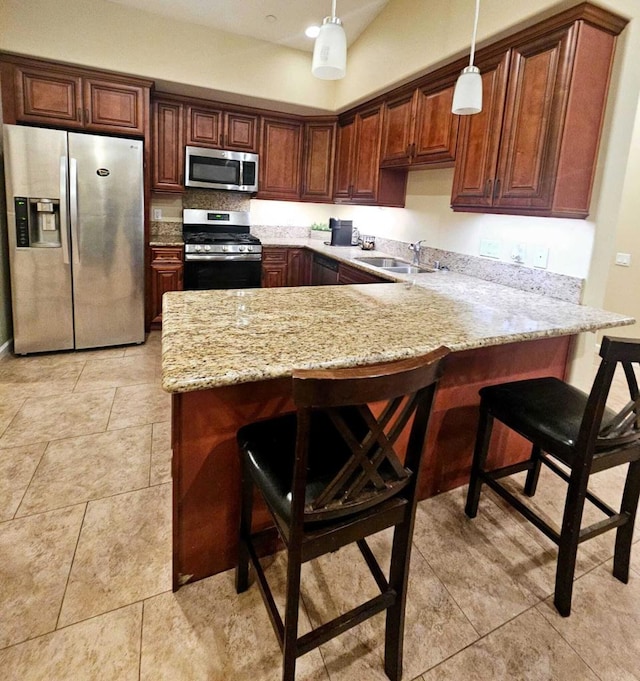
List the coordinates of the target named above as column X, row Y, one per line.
column 227, row 358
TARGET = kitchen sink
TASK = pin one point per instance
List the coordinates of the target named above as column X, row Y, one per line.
column 393, row 265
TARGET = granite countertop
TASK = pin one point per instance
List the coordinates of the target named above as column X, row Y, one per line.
column 218, row 338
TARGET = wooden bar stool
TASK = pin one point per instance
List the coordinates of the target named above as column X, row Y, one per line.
column 565, row 425
column 332, row 474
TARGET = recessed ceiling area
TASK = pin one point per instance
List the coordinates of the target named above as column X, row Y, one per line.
column 277, row 21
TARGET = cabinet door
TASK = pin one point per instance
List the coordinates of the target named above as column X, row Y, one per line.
column 436, row 128
column 280, row 159
column 397, row 131
column 479, row 139
column 539, row 76
column 114, row 107
column 168, row 147
column 240, row 132
column 49, row 97
column 345, row 145
column 166, row 275
column 298, row 267
column 366, row 165
column 204, row 127
column 319, row 148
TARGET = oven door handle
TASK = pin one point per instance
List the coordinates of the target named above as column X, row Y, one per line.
column 208, row 257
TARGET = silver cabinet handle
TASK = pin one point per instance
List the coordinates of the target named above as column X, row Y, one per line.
column 73, row 206
column 64, row 220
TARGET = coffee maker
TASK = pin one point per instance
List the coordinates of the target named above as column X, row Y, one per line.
column 341, row 232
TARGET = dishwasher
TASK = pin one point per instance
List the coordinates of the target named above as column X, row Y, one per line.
column 324, row 271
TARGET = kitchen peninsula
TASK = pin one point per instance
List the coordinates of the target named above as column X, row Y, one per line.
column 228, row 358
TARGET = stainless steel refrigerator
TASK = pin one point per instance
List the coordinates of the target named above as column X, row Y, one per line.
column 76, row 239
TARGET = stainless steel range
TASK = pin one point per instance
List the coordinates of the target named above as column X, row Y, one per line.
column 219, row 251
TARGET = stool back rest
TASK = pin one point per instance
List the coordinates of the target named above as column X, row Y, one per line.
column 408, row 388
column 623, row 429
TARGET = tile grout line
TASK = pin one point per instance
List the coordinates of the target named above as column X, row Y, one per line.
column 33, row 475
column 141, row 635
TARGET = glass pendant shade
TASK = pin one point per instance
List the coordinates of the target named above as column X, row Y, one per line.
column 467, row 96
column 330, row 51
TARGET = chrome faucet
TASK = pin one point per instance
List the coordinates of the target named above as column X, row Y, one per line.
column 416, row 251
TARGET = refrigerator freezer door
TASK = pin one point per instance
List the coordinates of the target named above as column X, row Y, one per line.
column 35, row 164
column 107, row 228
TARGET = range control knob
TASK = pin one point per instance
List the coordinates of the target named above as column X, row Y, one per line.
column 249, row 249
column 225, row 249
column 198, row 249
column 207, row 248
column 242, row 249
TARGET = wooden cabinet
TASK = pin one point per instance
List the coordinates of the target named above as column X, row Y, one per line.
column 419, row 128
column 274, row 266
column 353, row 275
column 283, row 266
column 533, row 149
column 168, row 150
column 166, row 275
column 70, row 99
column 298, row 267
column 213, row 127
column 318, row 160
column 359, row 178
column 280, row 159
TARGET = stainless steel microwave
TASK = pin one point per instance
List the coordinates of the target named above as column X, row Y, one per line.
column 221, row 169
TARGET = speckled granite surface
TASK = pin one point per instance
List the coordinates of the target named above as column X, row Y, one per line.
column 216, row 338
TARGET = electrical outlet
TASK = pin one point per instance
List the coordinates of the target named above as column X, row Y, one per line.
column 518, row 253
column 157, row 213
column 490, row 248
column 623, row 259
column 540, row 257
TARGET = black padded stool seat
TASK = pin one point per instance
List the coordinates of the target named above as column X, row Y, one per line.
column 333, row 473
column 567, row 426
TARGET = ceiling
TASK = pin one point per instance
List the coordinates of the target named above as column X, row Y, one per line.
column 277, row 21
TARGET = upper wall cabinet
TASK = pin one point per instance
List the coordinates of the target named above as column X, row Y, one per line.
column 221, row 129
column 318, row 160
column 358, row 177
column 280, row 159
column 168, row 149
column 70, row 98
column 419, row 128
column 533, row 149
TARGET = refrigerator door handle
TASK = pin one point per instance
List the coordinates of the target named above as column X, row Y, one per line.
column 64, row 221
column 73, row 206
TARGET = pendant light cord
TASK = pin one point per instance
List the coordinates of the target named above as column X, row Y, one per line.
column 475, row 30
column 333, row 9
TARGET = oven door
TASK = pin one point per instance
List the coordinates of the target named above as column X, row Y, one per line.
column 203, row 274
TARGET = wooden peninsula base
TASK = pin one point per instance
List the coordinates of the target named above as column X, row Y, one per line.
column 206, row 471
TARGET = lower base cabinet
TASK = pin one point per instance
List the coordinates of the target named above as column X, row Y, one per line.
column 285, row 266
column 166, row 275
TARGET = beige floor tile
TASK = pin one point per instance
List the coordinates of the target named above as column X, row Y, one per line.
column 435, row 627
column 35, row 377
column 140, row 404
column 525, row 649
column 123, row 554
column 161, row 453
column 36, row 557
column 604, row 623
column 9, row 407
column 105, row 648
column 491, row 566
column 207, row 632
column 79, row 469
column 17, row 466
column 151, row 346
column 98, row 374
column 54, row 418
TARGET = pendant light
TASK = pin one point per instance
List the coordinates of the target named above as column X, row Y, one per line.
column 467, row 97
column 330, row 50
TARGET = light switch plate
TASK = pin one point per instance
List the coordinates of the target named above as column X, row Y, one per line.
column 490, row 248
column 623, row 259
column 540, row 257
column 157, row 213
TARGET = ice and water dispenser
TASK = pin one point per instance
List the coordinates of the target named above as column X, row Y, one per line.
column 37, row 222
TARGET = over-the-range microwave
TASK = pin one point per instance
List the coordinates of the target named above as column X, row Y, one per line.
column 221, row 169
